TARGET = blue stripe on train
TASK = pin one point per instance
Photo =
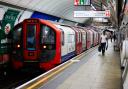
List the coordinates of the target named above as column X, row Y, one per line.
column 67, row 56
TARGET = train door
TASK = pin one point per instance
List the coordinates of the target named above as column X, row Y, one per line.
column 88, row 39
column 94, row 37
column 77, row 39
column 91, row 38
column 31, row 41
column 83, row 39
column 80, row 40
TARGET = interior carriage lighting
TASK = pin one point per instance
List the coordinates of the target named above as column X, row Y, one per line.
column 18, row 46
column 44, row 46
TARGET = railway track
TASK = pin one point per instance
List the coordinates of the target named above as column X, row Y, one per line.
column 43, row 78
column 14, row 79
column 25, row 79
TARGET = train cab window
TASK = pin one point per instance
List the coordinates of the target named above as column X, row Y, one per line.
column 48, row 46
column 17, row 33
column 31, row 36
column 47, row 35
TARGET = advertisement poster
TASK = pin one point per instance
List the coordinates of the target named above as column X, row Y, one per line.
column 6, row 30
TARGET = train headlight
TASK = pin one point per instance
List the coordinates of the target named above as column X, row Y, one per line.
column 18, row 46
column 44, row 46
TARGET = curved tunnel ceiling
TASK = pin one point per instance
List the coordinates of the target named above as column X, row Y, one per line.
column 59, row 8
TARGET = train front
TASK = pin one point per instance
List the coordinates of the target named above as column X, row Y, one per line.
column 35, row 44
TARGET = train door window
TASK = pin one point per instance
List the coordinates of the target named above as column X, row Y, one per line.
column 84, row 36
column 71, row 38
column 31, row 36
column 78, row 37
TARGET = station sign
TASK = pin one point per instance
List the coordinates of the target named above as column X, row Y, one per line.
column 82, row 2
column 99, row 14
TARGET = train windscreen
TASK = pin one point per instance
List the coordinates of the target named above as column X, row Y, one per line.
column 48, row 35
column 17, row 34
column 31, row 36
column 48, row 42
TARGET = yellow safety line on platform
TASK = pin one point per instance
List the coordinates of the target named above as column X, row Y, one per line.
column 43, row 80
column 49, row 76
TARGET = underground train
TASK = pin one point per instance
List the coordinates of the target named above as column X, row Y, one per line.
column 45, row 44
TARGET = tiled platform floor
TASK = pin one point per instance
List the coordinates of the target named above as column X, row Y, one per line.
column 93, row 72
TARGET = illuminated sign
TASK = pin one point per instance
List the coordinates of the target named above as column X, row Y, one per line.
column 82, row 2
column 32, row 20
column 92, row 13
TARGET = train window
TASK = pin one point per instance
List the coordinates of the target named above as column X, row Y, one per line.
column 71, row 38
column 62, row 38
column 31, row 36
column 84, row 37
column 47, row 35
column 78, row 37
column 17, row 33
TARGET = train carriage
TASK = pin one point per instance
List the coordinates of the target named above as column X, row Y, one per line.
column 42, row 43
column 67, row 42
column 78, row 46
column 91, row 37
column 94, row 37
column 83, row 37
column 97, row 37
column 45, row 44
column 88, row 38
column 38, row 43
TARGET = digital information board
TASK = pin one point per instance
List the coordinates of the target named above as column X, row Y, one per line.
column 92, row 13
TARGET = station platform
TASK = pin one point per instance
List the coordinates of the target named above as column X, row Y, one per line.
column 94, row 71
